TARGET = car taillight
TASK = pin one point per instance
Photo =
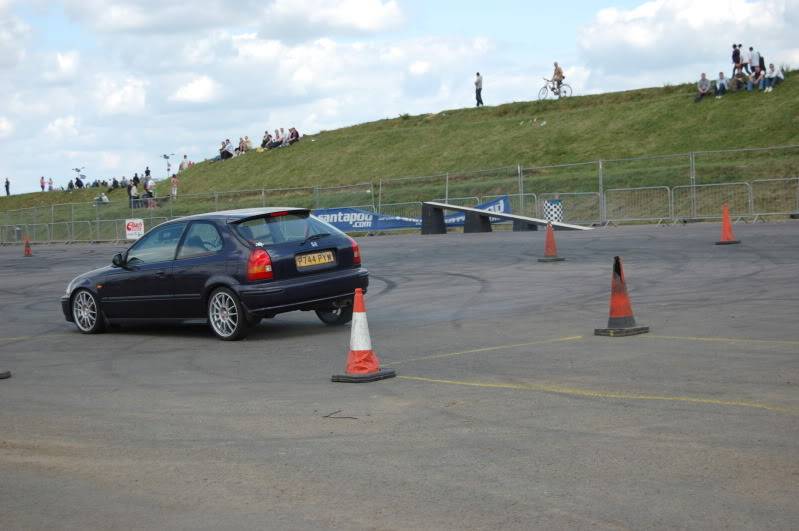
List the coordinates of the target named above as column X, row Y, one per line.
column 259, row 266
column 356, row 253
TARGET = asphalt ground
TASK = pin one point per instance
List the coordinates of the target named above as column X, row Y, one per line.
column 507, row 412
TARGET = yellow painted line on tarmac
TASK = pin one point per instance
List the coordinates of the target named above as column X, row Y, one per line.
column 727, row 340
column 618, row 395
column 487, row 349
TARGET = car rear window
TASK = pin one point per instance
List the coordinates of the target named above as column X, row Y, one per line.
column 285, row 228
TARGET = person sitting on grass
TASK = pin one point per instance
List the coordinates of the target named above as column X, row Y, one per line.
column 277, row 140
column 738, row 80
column 773, row 76
column 703, row 88
column 757, row 79
column 721, row 86
column 294, row 136
column 267, row 140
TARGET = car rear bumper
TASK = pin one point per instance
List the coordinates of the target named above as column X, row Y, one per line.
column 66, row 310
column 302, row 292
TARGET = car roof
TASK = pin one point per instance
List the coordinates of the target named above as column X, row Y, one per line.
column 240, row 214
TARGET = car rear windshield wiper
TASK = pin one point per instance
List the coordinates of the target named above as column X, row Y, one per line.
column 313, row 237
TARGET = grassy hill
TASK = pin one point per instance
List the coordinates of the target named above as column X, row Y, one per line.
column 656, row 121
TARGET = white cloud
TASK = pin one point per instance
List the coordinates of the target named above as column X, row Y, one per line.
column 201, row 89
column 6, row 127
column 62, row 128
column 110, row 161
column 128, row 96
column 64, row 66
column 419, row 68
column 13, row 34
column 298, row 19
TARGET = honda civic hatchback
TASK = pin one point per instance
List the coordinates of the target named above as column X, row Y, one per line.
column 232, row 268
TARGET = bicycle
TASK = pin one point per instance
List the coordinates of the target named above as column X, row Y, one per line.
column 552, row 87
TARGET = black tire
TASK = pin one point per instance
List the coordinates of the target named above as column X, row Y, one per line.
column 565, row 91
column 86, row 312
column 335, row 316
column 542, row 94
column 226, row 316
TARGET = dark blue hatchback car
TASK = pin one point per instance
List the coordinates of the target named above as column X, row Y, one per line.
column 232, row 268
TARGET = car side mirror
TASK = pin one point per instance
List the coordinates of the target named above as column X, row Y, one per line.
column 118, row 260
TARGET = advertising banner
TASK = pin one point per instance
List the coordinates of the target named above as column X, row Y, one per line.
column 134, row 229
column 358, row 220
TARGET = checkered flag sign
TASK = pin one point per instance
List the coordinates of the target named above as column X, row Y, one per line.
column 553, row 210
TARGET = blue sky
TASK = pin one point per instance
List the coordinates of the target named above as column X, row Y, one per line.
column 112, row 84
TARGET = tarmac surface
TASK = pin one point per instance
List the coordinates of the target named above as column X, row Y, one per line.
column 508, row 413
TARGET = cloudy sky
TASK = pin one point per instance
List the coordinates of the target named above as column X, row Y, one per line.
column 113, row 84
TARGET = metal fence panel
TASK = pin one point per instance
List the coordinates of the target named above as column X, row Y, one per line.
column 705, row 201
column 651, row 203
column 775, row 196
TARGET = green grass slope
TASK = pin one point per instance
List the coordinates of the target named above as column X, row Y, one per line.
column 657, row 121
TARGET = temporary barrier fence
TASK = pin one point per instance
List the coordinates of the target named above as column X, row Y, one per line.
column 705, row 201
column 652, row 203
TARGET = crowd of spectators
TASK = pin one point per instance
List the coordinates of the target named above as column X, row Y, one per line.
column 749, row 73
column 140, row 189
column 281, row 138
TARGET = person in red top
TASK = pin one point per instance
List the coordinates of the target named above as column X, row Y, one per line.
column 174, row 182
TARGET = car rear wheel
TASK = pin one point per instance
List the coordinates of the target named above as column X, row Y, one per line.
column 226, row 316
column 86, row 312
column 335, row 316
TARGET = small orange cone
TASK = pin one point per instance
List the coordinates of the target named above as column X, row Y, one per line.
column 727, row 237
column 550, row 249
column 28, row 250
column 621, row 321
column 362, row 363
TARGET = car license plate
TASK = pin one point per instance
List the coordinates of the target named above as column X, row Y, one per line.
column 314, row 259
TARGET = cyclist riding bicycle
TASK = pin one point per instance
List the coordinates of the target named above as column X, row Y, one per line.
column 558, row 77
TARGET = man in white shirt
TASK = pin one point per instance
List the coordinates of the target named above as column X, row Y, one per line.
column 478, row 90
column 773, row 76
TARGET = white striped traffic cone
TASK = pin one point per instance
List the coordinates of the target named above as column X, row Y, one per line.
column 362, row 363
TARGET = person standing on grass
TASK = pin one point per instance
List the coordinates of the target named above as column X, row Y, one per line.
column 8, row 187
column 478, row 90
column 744, row 59
column 174, row 182
column 50, row 184
column 703, row 88
column 736, row 59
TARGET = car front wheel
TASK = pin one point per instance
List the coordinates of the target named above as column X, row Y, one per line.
column 86, row 312
column 226, row 315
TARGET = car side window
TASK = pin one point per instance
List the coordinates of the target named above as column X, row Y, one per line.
column 201, row 238
column 158, row 245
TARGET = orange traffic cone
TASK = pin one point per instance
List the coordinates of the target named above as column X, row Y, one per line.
column 362, row 363
column 550, row 249
column 28, row 250
column 621, row 321
column 727, row 237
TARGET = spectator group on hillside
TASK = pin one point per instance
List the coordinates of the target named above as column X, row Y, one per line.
column 749, row 73
column 281, row 138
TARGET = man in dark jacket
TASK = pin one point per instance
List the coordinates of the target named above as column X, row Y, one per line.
column 736, row 59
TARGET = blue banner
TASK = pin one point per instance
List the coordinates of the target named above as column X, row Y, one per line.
column 358, row 220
